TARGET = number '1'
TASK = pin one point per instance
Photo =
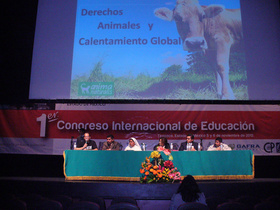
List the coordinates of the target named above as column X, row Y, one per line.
column 42, row 119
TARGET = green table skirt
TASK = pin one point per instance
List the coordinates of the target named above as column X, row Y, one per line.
column 125, row 165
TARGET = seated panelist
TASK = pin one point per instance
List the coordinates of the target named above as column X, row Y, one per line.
column 219, row 146
column 189, row 145
column 111, row 144
column 86, row 143
column 133, row 145
column 163, row 143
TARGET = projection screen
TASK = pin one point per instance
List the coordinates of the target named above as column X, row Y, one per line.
column 174, row 50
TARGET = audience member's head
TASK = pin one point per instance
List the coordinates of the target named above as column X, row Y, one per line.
column 189, row 189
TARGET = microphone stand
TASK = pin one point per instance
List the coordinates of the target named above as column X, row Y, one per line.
column 72, row 143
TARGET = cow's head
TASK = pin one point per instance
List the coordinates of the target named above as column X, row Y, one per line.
column 189, row 17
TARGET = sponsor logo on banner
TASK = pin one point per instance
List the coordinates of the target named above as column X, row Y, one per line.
column 248, row 147
column 271, row 147
column 96, row 89
column 278, row 147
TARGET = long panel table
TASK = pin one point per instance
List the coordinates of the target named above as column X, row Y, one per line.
column 125, row 165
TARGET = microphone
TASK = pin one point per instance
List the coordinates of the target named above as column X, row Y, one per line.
column 201, row 146
column 72, row 143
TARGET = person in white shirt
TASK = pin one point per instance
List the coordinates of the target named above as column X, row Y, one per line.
column 219, row 146
column 133, row 145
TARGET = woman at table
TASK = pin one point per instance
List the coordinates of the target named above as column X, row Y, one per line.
column 187, row 192
column 162, row 144
column 133, row 145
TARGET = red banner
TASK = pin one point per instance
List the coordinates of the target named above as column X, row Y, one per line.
column 141, row 124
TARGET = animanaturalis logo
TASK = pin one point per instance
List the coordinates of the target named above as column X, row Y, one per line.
column 96, row 89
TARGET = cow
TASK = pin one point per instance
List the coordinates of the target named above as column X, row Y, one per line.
column 212, row 30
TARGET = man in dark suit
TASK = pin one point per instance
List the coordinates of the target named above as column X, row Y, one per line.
column 189, row 145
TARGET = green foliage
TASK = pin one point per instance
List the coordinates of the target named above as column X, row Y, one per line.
column 237, row 63
column 96, row 74
column 172, row 73
column 128, row 86
column 200, row 64
column 206, row 93
column 198, row 78
column 197, row 82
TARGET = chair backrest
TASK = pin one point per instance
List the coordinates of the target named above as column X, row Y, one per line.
column 46, row 204
column 84, row 205
column 214, row 201
column 268, row 205
column 65, row 200
column 13, row 203
column 100, row 201
column 31, row 199
column 123, row 206
column 124, row 200
column 175, row 146
column 100, row 145
column 121, row 146
column 274, row 198
column 232, row 206
column 232, row 146
column 248, row 200
column 193, row 205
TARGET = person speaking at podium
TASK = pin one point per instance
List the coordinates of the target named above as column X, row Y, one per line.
column 189, row 145
column 86, row 143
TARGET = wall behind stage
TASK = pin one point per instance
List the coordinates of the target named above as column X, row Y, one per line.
column 48, row 132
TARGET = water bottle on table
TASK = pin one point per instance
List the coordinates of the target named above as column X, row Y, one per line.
column 199, row 147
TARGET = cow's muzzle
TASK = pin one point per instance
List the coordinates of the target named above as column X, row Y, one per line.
column 195, row 44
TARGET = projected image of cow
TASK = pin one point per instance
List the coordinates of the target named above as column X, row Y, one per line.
column 214, row 34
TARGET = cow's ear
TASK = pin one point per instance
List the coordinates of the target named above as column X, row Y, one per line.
column 164, row 13
column 213, row 10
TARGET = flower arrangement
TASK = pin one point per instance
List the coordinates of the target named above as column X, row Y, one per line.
column 158, row 170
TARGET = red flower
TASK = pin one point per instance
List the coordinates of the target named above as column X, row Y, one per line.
column 160, row 148
column 168, row 164
column 167, row 151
